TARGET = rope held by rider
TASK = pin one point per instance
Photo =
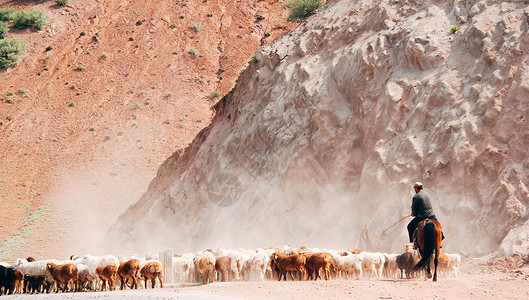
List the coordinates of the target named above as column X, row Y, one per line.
column 394, row 225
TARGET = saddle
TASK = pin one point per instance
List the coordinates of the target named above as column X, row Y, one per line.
column 421, row 224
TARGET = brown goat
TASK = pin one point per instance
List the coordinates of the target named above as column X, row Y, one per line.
column 129, row 270
column 152, row 270
column 223, row 268
column 293, row 262
column 63, row 274
column 317, row 261
column 107, row 274
column 405, row 262
column 19, row 282
column 206, row 267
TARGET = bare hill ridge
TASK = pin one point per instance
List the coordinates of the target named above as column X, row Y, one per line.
column 322, row 138
column 120, row 87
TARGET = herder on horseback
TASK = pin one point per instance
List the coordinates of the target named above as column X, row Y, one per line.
column 421, row 208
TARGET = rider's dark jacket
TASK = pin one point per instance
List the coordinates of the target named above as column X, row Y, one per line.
column 421, row 206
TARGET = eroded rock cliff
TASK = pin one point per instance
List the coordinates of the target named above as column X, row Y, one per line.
column 322, row 138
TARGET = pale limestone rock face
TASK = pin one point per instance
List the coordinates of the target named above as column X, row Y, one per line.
column 321, row 140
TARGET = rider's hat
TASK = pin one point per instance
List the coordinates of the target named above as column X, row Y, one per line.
column 418, row 185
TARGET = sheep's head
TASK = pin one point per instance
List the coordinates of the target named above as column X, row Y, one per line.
column 19, row 262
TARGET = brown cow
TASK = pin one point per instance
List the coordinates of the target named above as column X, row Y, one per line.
column 315, row 262
column 63, row 274
column 107, row 274
column 223, row 268
column 293, row 262
column 150, row 271
column 129, row 270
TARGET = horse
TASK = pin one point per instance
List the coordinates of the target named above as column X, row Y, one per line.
column 429, row 237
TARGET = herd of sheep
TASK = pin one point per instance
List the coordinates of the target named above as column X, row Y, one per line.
column 92, row 273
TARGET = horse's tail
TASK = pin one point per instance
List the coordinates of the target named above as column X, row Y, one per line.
column 429, row 243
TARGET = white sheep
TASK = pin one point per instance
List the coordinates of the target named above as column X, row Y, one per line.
column 373, row 263
column 183, row 267
column 455, row 261
column 392, row 269
column 37, row 267
column 93, row 262
column 347, row 264
column 85, row 278
column 258, row 263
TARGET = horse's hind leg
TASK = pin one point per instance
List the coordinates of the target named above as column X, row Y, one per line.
column 428, row 272
column 435, row 265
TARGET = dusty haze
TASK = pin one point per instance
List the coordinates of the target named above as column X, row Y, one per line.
column 323, row 137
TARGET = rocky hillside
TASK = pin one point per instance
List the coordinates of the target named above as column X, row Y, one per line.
column 321, row 140
column 101, row 97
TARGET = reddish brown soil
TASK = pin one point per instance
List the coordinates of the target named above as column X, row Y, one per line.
column 92, row 118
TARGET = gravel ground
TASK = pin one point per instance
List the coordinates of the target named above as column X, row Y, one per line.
column 481, row 283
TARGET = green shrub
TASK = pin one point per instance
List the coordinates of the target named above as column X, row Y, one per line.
column 31, row 18
column 214, row 94
column 454, row 28
column 3, row 29
column 10, row 51
column 62, row 2
column 301, row 9
column 173, row 26
column 7, row 14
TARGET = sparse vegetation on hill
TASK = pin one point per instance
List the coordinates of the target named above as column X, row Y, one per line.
column 10, row 51
column 6, row 14
column 196, row 26
column 62, row 2
column 3, row 29
column 82, row 70
column 33, row 18
column 301, row 9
